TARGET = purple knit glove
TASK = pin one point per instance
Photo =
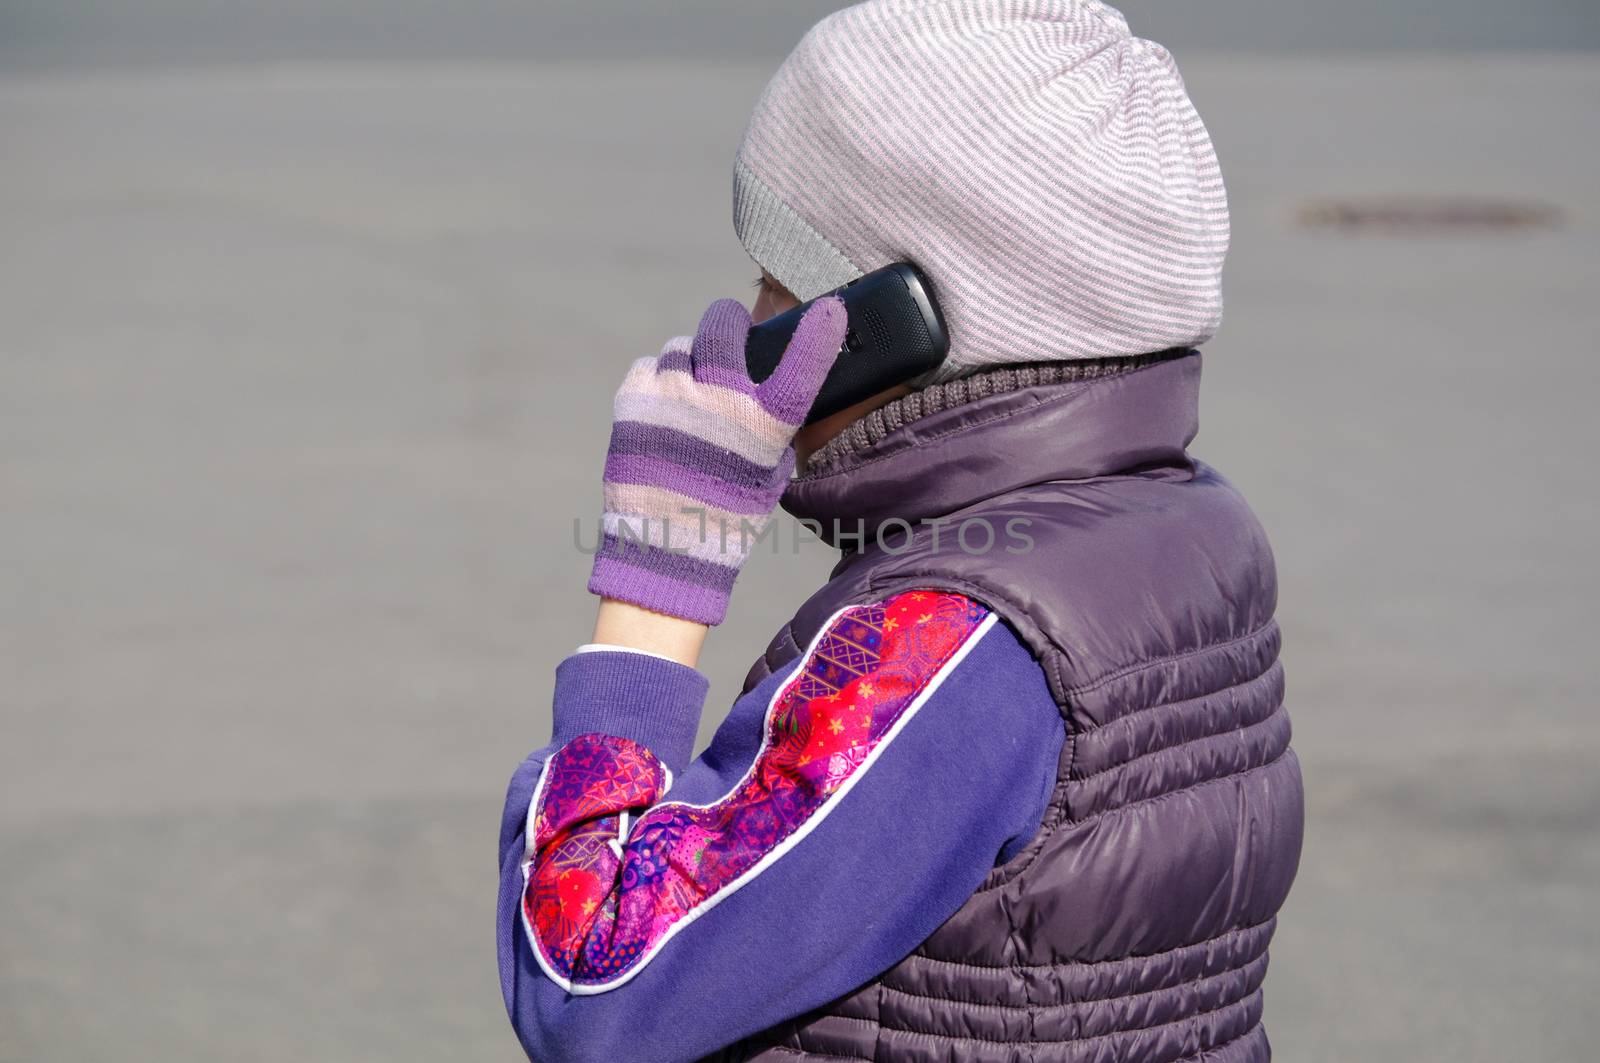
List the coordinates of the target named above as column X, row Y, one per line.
column 699, row 457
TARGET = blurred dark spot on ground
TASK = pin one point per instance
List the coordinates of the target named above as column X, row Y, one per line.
column 1413, row 215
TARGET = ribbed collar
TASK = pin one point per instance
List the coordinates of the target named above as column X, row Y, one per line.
column 946, row 461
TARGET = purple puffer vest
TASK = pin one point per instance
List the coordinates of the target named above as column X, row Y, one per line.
column 1134, row 925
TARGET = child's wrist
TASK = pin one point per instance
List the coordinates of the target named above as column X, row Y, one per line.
column 627, row 624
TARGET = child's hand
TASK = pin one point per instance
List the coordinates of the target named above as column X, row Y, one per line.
column 700, row 455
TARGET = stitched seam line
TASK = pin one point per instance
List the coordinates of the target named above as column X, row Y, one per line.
column 1140, row 713
column 1076, row 1040
column 1269, row 924
column 877, row 1038
column 1187, row 983
column 1220, row 1045
column 1013, row 946
column 1252, row 726
column 1055, row 811
column 1165, row 795
column 1154, row 662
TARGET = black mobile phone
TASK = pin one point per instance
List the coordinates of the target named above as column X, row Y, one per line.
column 895, row 333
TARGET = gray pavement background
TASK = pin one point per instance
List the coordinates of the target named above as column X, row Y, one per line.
column 304, row 375
column 51, row 34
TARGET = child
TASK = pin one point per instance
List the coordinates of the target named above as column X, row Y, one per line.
column 1015, row 783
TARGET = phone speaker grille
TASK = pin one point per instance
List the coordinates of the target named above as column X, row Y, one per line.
column 878, row 334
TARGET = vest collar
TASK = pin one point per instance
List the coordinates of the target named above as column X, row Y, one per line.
column 947, row 461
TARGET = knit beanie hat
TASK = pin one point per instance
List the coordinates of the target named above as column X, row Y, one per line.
column 1043, row 166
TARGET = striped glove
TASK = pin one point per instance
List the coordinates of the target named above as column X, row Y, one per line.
column 700, row 455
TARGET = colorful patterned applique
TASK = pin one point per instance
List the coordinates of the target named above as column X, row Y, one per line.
column 595, row 918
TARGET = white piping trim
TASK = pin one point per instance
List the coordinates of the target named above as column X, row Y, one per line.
column 782, row 847
column 622, row 833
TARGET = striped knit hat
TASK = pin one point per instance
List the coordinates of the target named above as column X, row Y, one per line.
column 1041, row 164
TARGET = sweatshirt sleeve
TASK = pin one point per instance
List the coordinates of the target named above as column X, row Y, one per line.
column 654, row 909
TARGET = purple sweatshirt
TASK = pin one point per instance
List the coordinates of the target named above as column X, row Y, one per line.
column 656, row 909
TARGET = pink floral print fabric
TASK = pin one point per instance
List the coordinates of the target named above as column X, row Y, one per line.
column 613, row 870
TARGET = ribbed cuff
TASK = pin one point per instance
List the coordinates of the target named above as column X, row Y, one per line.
column 664, row 582
column 649, row 700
